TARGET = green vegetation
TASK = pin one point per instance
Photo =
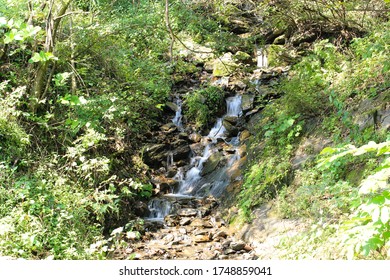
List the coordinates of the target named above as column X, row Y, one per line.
column 343, row 190
column 203, row 104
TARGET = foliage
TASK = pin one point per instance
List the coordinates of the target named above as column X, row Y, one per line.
column 202, row 104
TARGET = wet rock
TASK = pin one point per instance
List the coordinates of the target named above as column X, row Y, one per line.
column 197, row 148
column 165, row 184
column 242, row 150
column 231, row 130
column 247, row 102
column 187, row 212
column 211, row 163
column 237, row 245
column 231, row 119
column 141, row 209
column 183, row 136
column 172, row 107
column 181, row 150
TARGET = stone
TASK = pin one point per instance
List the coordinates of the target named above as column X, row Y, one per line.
column 237, row 245
column 242, row 57
column 219, row 234
column 181, row 150
column 231, row 130
column 156, row 155
column 247, row 101
column 224, row 66
column 187, row 212
column 195, row 137
column 223, row 257
column 171, row 220
column 201, row 238
column 201, row 223
column 168, row 128
column 231, row 119
column 281, row 40
column 211, row 163
column 141, row 209
column 172, row 107
column 185, row 221
column 244, row 135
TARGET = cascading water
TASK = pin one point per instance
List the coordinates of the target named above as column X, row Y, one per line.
column 192, row 183
column 177, row 120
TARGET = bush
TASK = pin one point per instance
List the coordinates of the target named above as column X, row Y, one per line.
column 202, row 105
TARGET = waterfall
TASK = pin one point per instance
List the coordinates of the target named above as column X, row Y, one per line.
column 192, row 183
column 262, row 59
column 177, row 120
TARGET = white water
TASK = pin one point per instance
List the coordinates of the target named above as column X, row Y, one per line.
column 262, row 59
column 177, row 120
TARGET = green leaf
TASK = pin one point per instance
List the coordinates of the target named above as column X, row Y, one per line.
column 385, row 214
column 328, row 150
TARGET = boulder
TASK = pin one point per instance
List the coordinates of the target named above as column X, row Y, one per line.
column 187, row 212
column 211, row 163
column 247, row 102
column 238, row 245
column 180, row 150
column 231, row 130
column 244, row 135
column 168, row 128
column 231, row 119
column 195, row 137
column 224, row 66
column 156, row 155
column 172, row 107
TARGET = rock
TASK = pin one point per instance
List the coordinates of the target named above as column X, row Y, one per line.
column 219, row 234
column 195, row 137
column 141, row 209
column 168, row 128
column 242, row 150
column 231, row 119
column 281, row 40
column 181, row 150
column 156, row 155
column 201, row 223
column 171, row 220
column 182, row 230
column 237, row 245
column 231, row 130
column 201, row 238
column 187, row 212
column 224, row 66
column 229, row 251
column 247, row 102
column 242, row 57
column 166, row 184
column 244, row 135
column 211, row 163
column 223, row 257
column 185, row 221
column 172, row 107
column 168, row 238
column 197, row 148
column 183, row 136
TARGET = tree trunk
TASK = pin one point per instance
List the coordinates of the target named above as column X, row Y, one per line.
column 52, row 25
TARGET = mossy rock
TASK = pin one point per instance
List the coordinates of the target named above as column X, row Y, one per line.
column 224, row 66
column 242, row 57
